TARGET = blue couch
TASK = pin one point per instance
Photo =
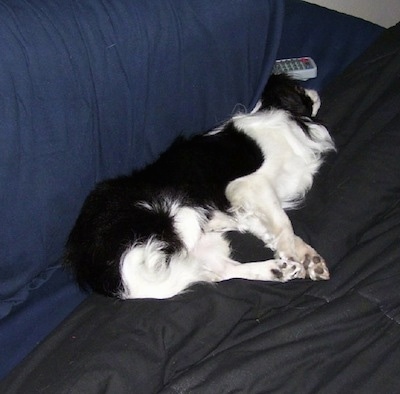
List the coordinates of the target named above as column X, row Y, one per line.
column 90, row 90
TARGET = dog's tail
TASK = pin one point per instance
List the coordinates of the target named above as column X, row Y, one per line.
column 126, row 237
column 165, row 263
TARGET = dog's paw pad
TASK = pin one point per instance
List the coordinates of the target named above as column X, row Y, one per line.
column 316, row 267
column 288, row 270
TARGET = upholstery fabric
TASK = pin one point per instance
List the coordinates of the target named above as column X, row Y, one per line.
column 90, row 90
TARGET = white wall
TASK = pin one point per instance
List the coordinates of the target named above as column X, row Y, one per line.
column 382, row 12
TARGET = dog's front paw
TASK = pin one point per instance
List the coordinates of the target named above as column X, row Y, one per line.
column 315, row 267
column 286, row 270
column 313, row 263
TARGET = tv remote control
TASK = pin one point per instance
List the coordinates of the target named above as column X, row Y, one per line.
column 300, row 68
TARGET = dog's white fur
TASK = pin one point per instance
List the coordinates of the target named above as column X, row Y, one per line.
column 257, row 203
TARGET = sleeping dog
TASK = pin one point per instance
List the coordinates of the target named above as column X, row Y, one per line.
column 154, row 233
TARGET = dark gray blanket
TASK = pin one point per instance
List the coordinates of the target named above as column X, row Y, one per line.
column 339, row 336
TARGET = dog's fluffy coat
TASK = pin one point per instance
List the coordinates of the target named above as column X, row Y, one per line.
column 161, row 229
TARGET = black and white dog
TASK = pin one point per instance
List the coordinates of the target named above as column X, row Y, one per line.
column 154, row 233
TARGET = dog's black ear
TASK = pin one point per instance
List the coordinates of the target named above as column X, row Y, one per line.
column 283, row 92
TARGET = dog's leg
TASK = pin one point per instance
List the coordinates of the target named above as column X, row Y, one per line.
column 222, row 222
column 212, row 254
column 270, row 270
column 257, row 206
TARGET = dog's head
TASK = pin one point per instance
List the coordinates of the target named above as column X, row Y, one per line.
column 283, row 92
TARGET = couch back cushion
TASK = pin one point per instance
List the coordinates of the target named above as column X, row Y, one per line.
column 90, row 90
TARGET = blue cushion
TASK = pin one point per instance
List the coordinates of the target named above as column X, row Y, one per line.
column 93, row 89
column 331, row 38
column 90, row 90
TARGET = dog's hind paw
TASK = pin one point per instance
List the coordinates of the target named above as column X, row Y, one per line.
column 316, row 268
column 286, row 270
